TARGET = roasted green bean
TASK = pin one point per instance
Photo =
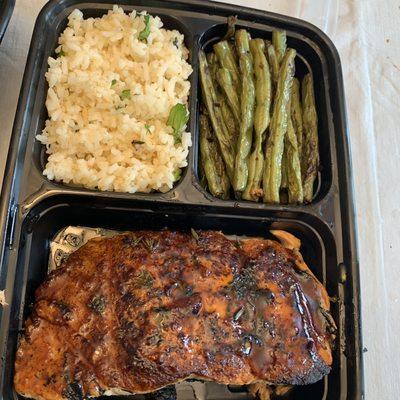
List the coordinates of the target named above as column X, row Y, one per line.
column 202, row 175
column 263, row 86
column 226, row 83
column 296, row 114
column 273, row 62
column 284, row 177
column 214, row 111
column 261, row 119
column 212, row 63
column 230, row 123
column 213, row 165
column 226, row 112
column 230, row 32
column 247, row 111
column 227, row 59
column 293, row 166
column 279, row 42
column 310, row 158
column 278, row 128
column 242, row 41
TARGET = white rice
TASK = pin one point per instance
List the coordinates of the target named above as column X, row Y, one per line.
column 92, row 135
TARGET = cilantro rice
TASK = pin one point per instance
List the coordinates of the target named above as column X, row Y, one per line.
column 111, row 89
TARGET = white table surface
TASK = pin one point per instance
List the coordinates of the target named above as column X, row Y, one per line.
column 367, row 35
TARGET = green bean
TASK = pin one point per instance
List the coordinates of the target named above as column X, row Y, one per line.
column 230, row 32
column 247, row 111
column 284, row 176
column 213, row 164
column 234, row 54
column 263, row 86
column 227, row 59
column 278, row 127
column 218, row 124
column 225, row 82
column 213, row 65
column 297, row 124
column 284, row 167
column 293, row 166
column 212, row 62
column 242, row 41
column 261, row 119
column 203, row 178
column 227, row 115
column 273, row 62
column 279, row 45
column 230, row 123
column 279, row 42
column 297, row 117
column 225, row 109
column 310, row 158
column 202, row 175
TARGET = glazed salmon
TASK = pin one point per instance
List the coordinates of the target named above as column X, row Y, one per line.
column 143, row 310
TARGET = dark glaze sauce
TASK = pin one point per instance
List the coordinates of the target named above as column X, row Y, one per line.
column 161, row 306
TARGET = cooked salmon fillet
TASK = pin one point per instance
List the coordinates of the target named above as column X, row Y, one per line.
column 143, row 310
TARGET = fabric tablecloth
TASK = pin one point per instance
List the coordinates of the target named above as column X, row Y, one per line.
column 367, row 35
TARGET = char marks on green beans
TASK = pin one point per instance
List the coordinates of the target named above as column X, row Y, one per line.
column 263, row 86
column 297, row 114
column 262, row 75
column 310, row 158
column 215, row 114
column 212, row 162
column 212, row 64
column 293, row 166
column 230, row 32
column 227, row 59
column 279, row 44
column 247, row 96
column 230, row 121
column 278, row 127
column 263, row 122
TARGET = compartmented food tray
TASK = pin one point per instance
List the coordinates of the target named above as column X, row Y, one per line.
column 34, row 209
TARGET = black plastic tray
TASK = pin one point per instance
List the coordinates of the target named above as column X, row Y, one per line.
column 6, row 9
column 33, row 209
